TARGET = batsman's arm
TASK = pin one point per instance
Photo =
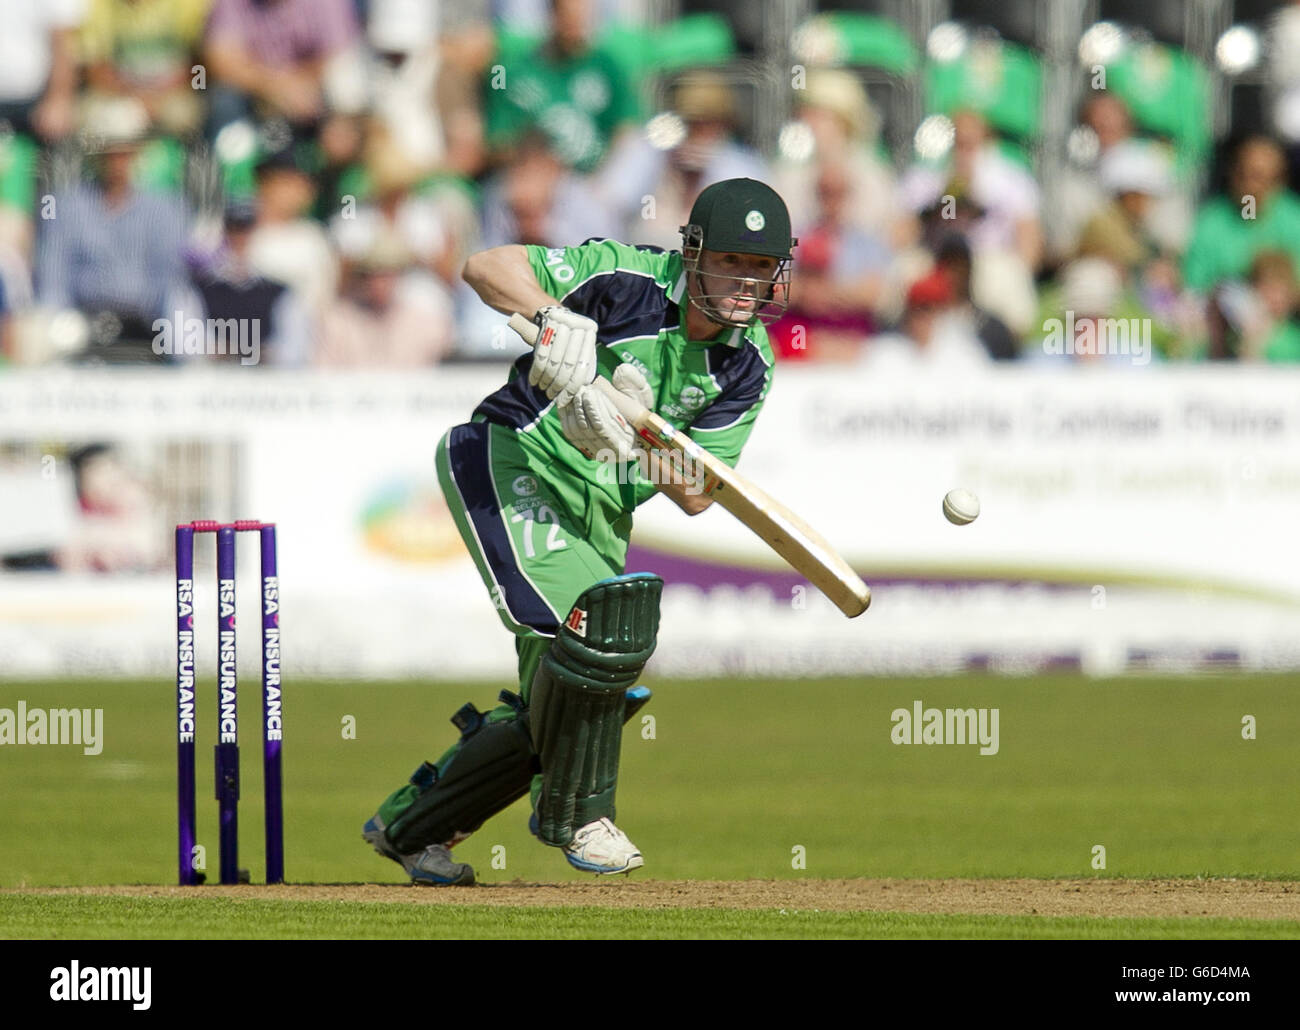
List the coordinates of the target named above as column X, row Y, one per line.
column 503, row 278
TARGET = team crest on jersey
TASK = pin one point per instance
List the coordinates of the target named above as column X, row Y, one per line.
column 524, row 486
column 754, row 221
column 577, row 621
column 590, row 91
column 692, row 398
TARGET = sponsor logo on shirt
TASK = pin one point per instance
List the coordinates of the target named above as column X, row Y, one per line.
column 692, row 398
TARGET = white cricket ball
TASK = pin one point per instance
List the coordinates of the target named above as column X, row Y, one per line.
column 961, row 507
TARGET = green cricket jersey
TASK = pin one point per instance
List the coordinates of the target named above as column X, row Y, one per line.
column 711, row 390
column 1224, row 244
column 578, row 102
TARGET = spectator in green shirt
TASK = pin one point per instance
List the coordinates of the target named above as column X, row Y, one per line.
column 1226, row 238
column 570, row 89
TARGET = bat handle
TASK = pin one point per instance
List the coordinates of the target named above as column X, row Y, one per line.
column 526, row 329
column 627, row 407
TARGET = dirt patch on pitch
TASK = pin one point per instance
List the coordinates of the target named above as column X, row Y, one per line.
column 1243, row 899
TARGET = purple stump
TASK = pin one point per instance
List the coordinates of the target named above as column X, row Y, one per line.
column 272, row 728
column 227, row 749
column 185, row 725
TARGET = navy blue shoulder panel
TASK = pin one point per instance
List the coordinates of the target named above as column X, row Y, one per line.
column 741, row 375
column 622, row 304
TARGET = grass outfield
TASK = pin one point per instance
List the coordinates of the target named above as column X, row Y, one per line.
column 117, row 918
column 769, row 780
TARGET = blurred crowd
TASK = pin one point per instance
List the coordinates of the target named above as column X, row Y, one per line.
column 321, row 170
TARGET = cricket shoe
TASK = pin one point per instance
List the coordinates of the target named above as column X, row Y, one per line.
column 433, row 866
column 601, row 847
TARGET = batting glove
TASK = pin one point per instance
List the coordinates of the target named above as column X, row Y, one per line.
column 564, row 358
column 629, row 380
column 593, row 423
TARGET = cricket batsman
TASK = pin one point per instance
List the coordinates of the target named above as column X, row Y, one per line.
column 542, row 482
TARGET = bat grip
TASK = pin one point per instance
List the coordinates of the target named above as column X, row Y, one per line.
column 526, row 329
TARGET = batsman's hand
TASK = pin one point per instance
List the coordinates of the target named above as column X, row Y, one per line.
column 593, row 423
column 564, row 358
column 627, row 379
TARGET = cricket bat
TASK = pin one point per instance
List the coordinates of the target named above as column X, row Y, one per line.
column 806, row 551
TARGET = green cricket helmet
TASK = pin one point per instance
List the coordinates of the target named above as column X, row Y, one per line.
column 739, row 216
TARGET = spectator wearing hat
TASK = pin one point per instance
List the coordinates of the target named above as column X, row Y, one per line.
column 286, row 245
column 1136, row 176
column 537, row 199
column 424, row 66
column 534, row 199
column 385, row 317
column 840, row 274
column 674, row 160
column 999, row 202
column 436, row 227
column 1005, row 194
column 228, row 287
column 1093, row 300
column 1088, row 185
column 112, row 251
column 1091, row 289
column 836, row 124
column 927, row 335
